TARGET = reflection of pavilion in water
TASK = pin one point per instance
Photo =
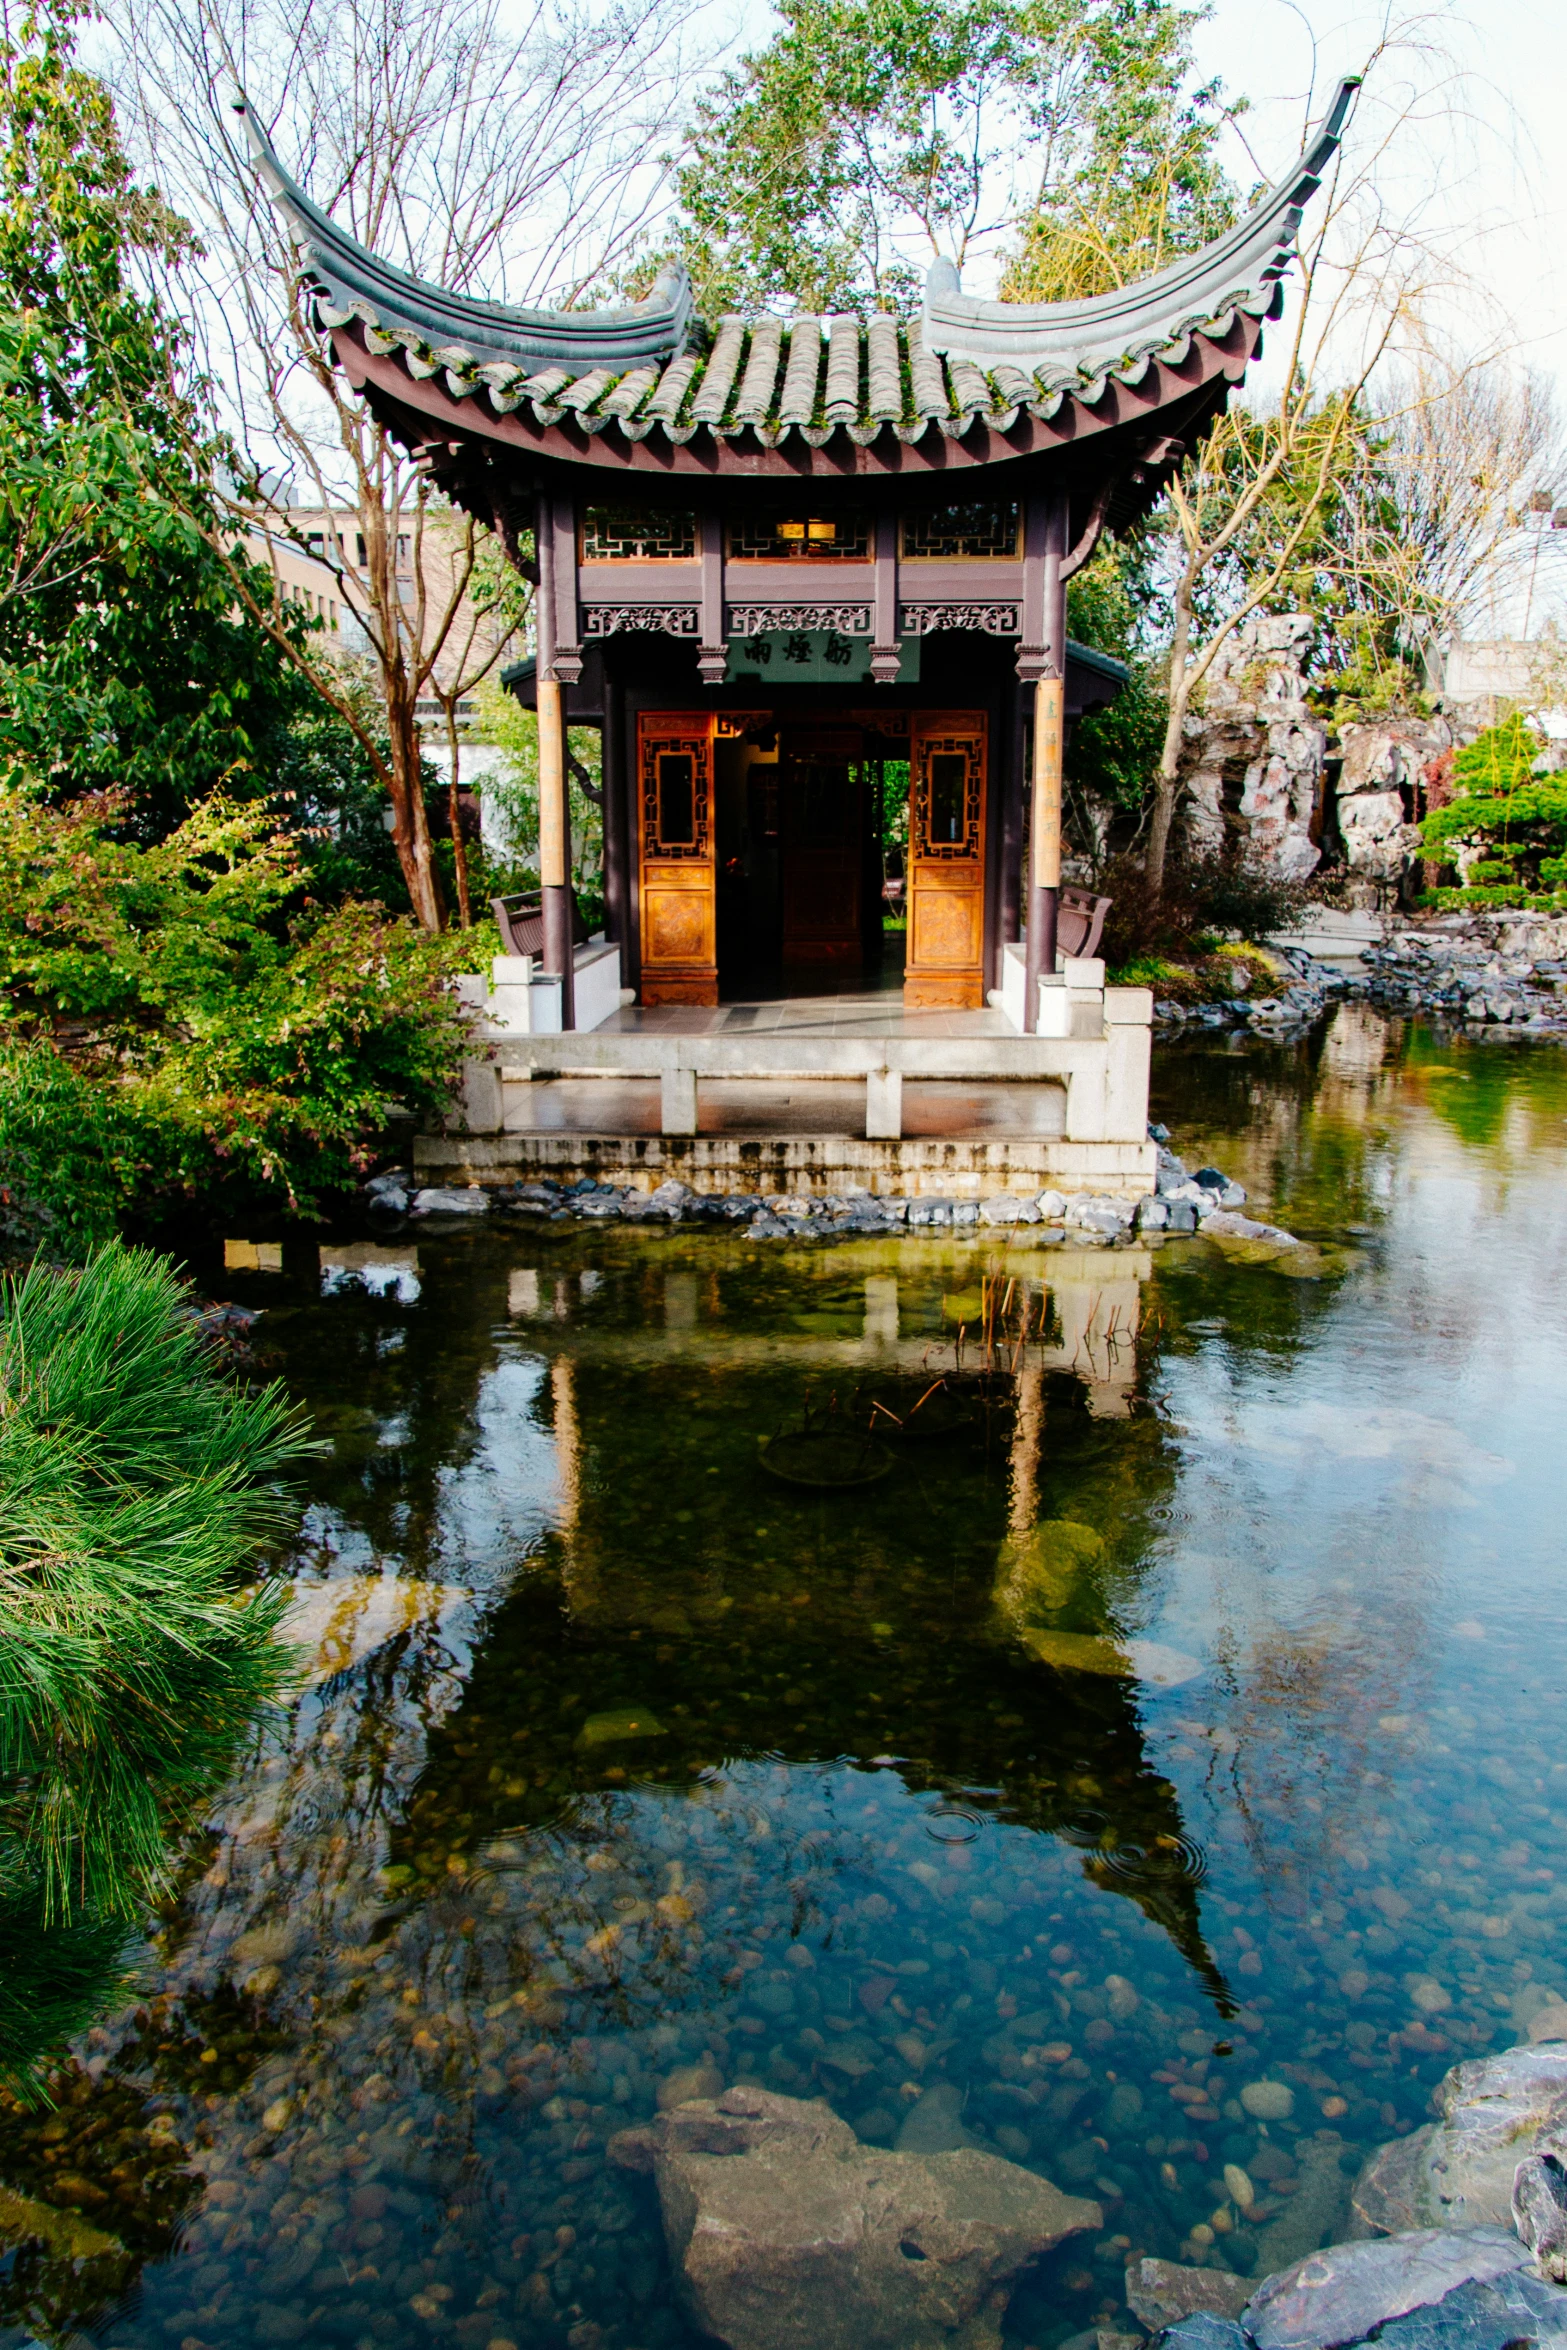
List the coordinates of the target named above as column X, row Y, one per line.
column 897, row 1588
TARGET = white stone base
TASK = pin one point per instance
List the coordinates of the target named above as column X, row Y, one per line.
column 523, row 1002
column 1071, row 1000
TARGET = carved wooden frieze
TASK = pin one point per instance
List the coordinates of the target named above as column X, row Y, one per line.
column 757, row 619
column 682, row 620
column 990, row 619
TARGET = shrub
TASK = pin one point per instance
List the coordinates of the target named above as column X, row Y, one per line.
column 1200, row 896
column 1515, row 818
column 221, row 1025
column 136, row 1490
column 1498, row 900
column 70, row 1155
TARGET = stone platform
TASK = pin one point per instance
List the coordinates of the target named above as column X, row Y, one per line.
column 815, row 1094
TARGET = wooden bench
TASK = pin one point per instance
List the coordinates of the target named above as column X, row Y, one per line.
column 520, row 920
column 1080, row 921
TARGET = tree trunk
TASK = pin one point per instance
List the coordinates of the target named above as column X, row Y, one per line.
column 1167, row 782
column 454, row 818
column 410, row 828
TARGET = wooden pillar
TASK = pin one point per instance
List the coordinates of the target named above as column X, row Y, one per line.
column 885, row 649
column 1016, row 729
column 998, row 790
column 1044, row 853
column 554, row 807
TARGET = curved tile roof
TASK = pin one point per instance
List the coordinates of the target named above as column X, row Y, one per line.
column 630, row 371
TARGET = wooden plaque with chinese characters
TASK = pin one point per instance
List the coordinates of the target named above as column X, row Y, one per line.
column 675, row 851
column 945, row 967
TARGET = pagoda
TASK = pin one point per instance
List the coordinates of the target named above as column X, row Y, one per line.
column 784, row 561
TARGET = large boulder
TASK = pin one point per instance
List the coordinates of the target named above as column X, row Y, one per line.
column 1384, row 764
column 1340, row 2295
column 785, row 2233
column 1253, row 752
column 1482, row 2311
column 1458, row 2172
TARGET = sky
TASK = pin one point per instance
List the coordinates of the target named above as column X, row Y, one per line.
column 1486, row 165
column 1491, row 151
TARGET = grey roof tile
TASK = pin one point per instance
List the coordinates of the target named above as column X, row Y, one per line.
column 719, row 374
column 755, row 400
column 843, row 367
column 797, row 404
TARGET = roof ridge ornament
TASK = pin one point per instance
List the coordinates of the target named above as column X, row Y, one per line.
column 352, row 282
column 1151, row 317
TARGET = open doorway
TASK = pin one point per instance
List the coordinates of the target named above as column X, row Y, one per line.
column 800, row 860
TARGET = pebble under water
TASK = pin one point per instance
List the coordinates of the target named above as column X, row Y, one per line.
column 624, row 1769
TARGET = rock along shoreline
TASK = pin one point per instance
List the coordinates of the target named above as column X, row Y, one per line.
column 1206, row 1201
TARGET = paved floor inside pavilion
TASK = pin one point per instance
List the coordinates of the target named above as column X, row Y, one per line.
column 803, row 1005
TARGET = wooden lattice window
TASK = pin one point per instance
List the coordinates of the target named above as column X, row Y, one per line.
column 793, row 535
column 675, row 797
column 977, row 530
column 947, row 787
column 638, row 534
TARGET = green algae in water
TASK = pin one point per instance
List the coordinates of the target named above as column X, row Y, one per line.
column 1141, row 1933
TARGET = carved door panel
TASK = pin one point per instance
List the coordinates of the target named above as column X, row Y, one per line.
column 676, row 852
column 821, row 804
column 945, row 968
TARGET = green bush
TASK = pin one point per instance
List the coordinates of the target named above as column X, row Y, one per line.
column 137, row 1491
column 1200, row 896
column 1496, row 900
column 70, row 1156
column 1500, row 805
column 223, row 1027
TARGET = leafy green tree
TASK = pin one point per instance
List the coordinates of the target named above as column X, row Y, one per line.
column 511, row 792
column 1135, row 181
column 870, row 135
column 1506, row 823
column 124, row 659
column 1113, row 751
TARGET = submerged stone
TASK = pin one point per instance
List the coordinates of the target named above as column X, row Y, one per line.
column 1268, row 2101
column 1041, row 1570
column 687, row 2082
column 618, row 1728
column 934, row 2125
column 786, row 2233
column 1162, row 2292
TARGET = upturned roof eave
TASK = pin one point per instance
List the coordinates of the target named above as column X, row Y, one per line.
column 421, row 405
column 358, row 283
column 1240, row 269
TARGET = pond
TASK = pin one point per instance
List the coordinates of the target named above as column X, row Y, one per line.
column 1157, row 1769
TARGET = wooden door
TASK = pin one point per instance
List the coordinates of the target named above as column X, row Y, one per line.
column 946, row 867
column 821, row 794
column 675, row 846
